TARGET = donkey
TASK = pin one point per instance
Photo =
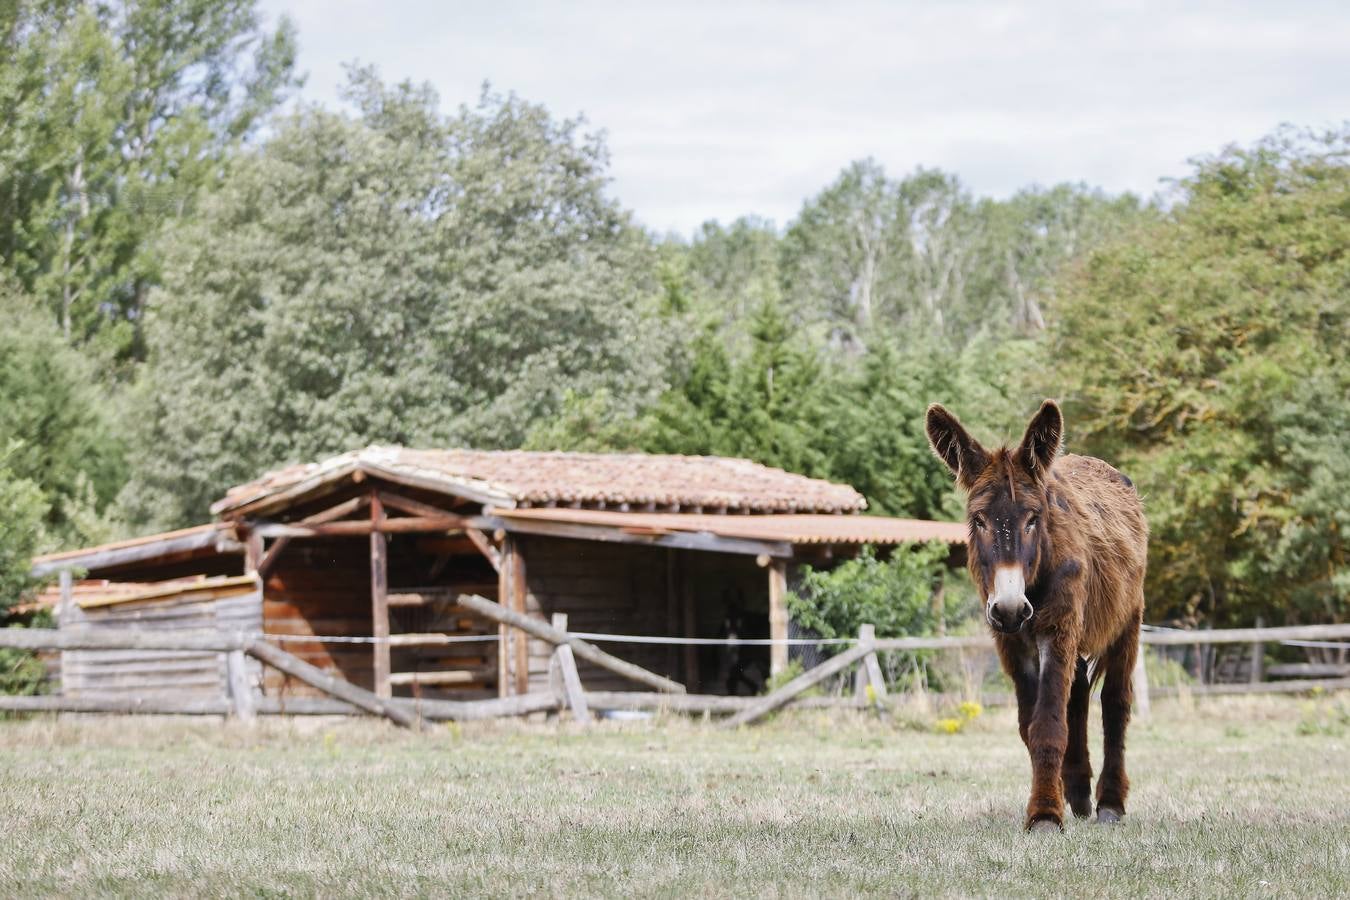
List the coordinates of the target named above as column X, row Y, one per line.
column 1058, row 549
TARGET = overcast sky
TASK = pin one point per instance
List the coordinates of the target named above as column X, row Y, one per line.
column 715, row 110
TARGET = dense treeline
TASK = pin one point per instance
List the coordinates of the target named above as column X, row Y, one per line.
column 198, row 285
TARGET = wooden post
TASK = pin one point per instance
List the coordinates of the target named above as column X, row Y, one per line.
column 555, row 682
column 521, row 640
column 778, row 617
column 576, row 697
column 253, row 550
column 1142, row 705
column 867, row 634
column 504, row 575
column 1255, row 675
column 241, row 692
column 672, row 612
column 379, row 598
column 691, row 679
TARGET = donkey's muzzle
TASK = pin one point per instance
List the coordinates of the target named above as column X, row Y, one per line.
column 1010, row 617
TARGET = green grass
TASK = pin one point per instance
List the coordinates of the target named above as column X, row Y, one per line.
column 1230, row 797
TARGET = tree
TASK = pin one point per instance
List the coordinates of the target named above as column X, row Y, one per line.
column 116, row 115
column 401, row 276
column 1206, row 357
column 60, row 435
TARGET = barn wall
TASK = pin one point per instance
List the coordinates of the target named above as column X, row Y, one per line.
column 160, row 673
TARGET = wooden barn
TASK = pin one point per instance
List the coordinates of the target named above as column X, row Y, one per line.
column 380, row 542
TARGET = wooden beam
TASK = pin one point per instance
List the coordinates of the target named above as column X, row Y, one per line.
column 586, row 651
column 410, row 506
column 778, row 617
column 779, row 698
column 218, row 539
column 480, row 540
column 520, row 592
column 337, row 687
column 122, row 639
column 407, row 524
column 253, row 550
column 332, row 514
column 379, row 598
column 453, row 676
column 504, row 575
column 680, row 540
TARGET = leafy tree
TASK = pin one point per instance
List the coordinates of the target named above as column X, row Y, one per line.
column 401, row 276
column 21, row 530
column 1206, row 357
column 116, row 114
column 61, row 438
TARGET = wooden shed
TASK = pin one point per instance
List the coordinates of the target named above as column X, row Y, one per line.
column 379, row 543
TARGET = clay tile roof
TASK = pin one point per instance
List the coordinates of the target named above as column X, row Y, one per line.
column 525, row 478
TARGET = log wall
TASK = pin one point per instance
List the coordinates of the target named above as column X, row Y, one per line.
column 167, row 674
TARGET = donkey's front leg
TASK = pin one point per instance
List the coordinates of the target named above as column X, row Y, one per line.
column 1048, row 736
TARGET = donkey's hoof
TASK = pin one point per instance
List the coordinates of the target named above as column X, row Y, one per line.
column 1108, row 816
column 1044, row 825
column 1081, row 803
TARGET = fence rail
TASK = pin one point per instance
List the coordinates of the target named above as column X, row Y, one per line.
column 342, row 697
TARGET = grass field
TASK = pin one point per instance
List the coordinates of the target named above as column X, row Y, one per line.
column 1247, row 796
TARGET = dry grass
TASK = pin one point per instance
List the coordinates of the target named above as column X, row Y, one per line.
column 1231, row 797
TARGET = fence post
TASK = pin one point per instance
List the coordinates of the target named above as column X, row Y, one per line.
column 869, row 673
column 241, row 692
column 1255, row 674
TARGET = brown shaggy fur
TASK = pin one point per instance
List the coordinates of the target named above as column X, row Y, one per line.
column 1076, row 528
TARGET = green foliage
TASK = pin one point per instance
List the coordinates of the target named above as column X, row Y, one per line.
column 21, row 531
column 401, row 276
column 896, row 594
column 116, row 115
column 1207, row 358
column 57, row 422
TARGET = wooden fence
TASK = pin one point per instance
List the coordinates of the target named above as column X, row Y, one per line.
column 566, row 691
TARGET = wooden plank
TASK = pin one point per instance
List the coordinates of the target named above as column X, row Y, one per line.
column 121, row 639
column 410, row 506
column 581, row 648
column 241, row 692
column 1308, row 670
column 405, row 525
column 682, row 540
column 767, row 704
column 778, row 616
column 576, row 697
column 186, row 541
column 379, row 600
column 456, row 676
column 215, row 706
column 1246, row 635
column 1143, row 703
column 337, row 687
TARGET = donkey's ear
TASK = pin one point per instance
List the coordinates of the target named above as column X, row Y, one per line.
column 954, row 445
column 1040, row 445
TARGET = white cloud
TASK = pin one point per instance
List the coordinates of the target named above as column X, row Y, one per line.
column 715, row 110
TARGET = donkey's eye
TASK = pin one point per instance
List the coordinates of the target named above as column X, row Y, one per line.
column 1031, row 523
column 978, row 522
